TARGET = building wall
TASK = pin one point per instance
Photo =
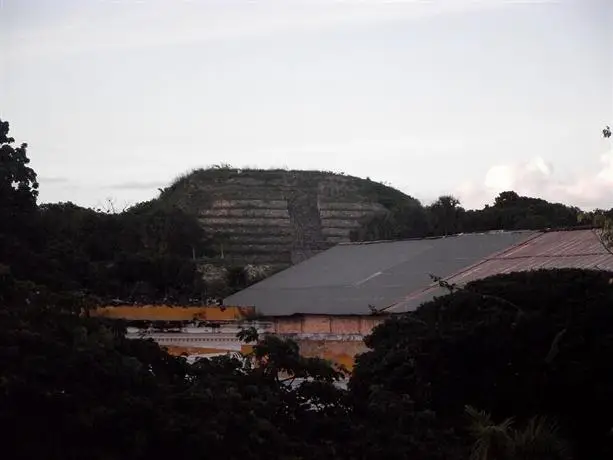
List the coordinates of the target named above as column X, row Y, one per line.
column 335, row 338
column 326, row 324
column 341, row 352
column 174, row 313
column 176, row 350
column 290, row 325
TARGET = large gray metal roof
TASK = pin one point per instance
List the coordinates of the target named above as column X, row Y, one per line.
column 347, row 278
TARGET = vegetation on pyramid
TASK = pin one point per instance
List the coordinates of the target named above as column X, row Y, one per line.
column 280, row 217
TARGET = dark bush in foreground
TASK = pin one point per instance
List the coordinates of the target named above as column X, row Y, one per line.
column 524, row 344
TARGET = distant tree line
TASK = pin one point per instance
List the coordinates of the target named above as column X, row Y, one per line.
column 447, row 217
column 142, row 253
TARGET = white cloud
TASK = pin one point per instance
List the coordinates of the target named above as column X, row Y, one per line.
column 536, row 178
column 527, row 176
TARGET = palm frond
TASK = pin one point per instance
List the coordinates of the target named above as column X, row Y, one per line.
column 540, row 439
column 492, row 440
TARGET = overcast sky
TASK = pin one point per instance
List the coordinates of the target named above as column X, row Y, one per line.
column 115, row 98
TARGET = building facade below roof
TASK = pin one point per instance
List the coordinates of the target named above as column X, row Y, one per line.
column 205, row 332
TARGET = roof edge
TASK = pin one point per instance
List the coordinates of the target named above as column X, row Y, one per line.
column 488, row 232
column 379, row 314
column 440, row 237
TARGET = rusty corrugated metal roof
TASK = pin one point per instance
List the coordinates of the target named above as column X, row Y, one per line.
column 557, row 249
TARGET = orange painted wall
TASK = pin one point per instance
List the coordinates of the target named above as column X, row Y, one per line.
column 246, row 349
column 168, row 313
column 338, row 351
column 178, row 351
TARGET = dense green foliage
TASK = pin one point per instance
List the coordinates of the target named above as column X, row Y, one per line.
column 538, row 438
column 18, row 192
column 143, row 253
column 516, row 345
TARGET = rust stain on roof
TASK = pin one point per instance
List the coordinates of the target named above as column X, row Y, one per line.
column 548, row 250
column 569, row 249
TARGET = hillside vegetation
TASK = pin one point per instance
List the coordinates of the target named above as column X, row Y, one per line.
column 279, row 217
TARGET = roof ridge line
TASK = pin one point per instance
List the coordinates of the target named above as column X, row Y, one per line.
column 439, row 237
